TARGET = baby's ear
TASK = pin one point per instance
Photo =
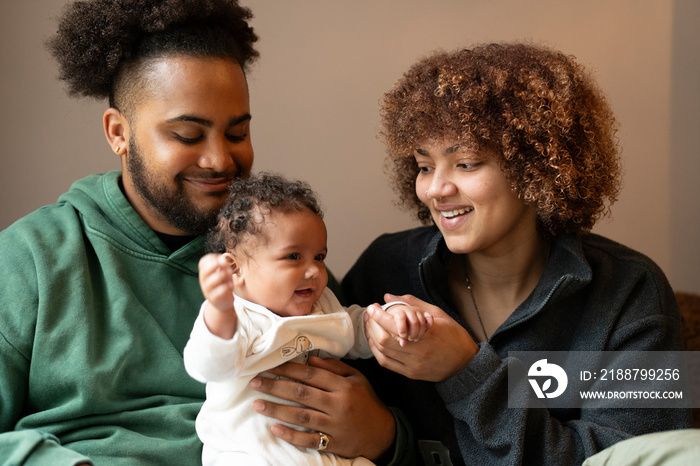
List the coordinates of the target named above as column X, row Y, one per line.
column 229, row 259
column 232, row 262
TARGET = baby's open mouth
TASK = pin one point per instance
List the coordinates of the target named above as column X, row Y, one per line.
column 305, row 293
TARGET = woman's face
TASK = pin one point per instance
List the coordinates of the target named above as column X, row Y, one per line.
column 470, row 199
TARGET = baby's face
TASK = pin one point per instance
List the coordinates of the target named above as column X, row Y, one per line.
column 286, row 273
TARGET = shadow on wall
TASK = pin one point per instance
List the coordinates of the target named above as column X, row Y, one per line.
column 685, row 147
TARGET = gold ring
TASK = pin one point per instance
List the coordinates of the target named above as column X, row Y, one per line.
column 322, row 441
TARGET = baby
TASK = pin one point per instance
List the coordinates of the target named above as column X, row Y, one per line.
column 266, row 304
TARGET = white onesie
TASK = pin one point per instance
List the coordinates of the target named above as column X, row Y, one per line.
column 231, row 431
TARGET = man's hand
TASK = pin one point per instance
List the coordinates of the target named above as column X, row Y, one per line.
column 337, row 400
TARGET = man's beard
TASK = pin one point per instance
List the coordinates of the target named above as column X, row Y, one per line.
column 175, row 206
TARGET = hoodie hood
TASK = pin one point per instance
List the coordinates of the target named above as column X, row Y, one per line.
column 106, row 212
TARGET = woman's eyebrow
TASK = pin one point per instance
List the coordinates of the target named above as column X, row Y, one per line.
column 452, row 149
column 448, row 151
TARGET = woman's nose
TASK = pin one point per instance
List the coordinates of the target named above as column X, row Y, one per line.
column 441, row 186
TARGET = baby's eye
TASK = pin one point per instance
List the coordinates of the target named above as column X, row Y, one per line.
column 295, row 256
column 320, row 257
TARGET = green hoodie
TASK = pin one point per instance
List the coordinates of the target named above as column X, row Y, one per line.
column 94, row 313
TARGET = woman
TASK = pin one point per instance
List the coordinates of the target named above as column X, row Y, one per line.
column 509, row 151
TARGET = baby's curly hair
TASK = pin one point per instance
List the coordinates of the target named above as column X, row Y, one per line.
column 100, row 43
column 250, row 200
column 537, row 108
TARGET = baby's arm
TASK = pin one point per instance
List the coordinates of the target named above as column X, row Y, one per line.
column 215, row 279
column 411, row 322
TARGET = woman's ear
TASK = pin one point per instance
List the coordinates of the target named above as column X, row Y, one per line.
column 116, row 129
column 233, row 262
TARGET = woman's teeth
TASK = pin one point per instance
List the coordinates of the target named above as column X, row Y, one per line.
column 454, row 213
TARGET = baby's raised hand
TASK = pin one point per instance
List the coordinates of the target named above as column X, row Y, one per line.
column 215, row 279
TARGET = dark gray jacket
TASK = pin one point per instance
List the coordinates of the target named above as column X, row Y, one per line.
column 594, row 295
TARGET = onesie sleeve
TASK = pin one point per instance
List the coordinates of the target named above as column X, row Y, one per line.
column 209, row 358
column 360, row 349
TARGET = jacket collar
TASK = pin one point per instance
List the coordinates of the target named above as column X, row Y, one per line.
column 567, row 271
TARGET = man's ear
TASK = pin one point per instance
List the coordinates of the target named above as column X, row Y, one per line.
column 116, row 129
column 233, row 261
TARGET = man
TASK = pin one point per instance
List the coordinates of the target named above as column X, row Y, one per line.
column 98, row 292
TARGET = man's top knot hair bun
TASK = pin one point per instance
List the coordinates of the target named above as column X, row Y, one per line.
column 96, row 37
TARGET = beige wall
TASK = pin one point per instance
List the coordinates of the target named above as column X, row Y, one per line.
column 324, row 66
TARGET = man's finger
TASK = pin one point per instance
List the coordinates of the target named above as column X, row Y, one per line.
column 311, row 440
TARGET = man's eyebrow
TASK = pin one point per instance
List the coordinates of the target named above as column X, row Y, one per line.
column 208, row 123
column 191, row 119
column 239, row 120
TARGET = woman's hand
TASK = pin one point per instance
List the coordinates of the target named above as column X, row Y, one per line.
column 410, row 323
column 445, row 349
column 338, row 400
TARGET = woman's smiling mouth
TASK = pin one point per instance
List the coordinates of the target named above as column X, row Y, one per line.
column 456, row 212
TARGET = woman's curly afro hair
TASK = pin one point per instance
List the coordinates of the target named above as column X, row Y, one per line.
column 535, row 107
column 96, row 38
column 250, row 200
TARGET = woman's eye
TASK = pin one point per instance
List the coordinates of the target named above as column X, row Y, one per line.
column 468, row 166
column 424, row 169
